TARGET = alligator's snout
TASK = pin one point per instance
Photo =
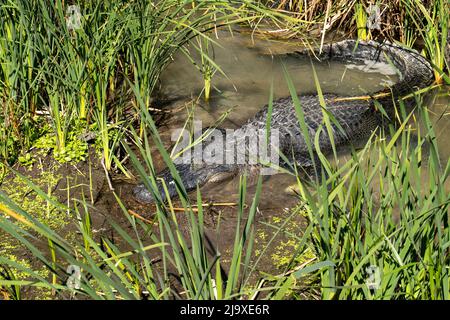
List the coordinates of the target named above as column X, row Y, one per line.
column 190, row 177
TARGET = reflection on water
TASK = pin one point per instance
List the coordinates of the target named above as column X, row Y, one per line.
column 251, row 70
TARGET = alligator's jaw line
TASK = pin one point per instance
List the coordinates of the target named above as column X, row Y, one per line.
column 358, row 118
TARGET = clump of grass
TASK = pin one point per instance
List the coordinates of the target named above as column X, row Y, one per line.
column 407, row 21
column 402, row 236
column 207, row 67
column 379, row 224
column 432, row 25
column 61, row 64
column 154, row 249
column 142, row 270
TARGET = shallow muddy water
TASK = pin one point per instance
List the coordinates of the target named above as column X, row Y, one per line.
column 251, row 68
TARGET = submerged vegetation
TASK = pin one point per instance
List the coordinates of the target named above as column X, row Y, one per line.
column 73, row 74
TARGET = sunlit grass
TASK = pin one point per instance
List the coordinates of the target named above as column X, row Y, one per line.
column 379, row 219
column 60, row 65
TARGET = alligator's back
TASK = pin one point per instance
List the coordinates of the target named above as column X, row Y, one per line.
column 357, row 117
column 357, row 120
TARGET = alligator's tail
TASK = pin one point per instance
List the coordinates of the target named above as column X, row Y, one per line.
column 414, row 70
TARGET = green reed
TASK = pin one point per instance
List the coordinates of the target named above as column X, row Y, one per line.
column 62, row 64
column 379, row 223
column 406, row 21
column 361, row 21
column 432, row 24
column 108, row 272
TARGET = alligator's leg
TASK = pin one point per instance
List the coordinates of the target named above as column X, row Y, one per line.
column 313, row 169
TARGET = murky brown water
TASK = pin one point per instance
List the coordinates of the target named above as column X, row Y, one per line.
column 251, row 68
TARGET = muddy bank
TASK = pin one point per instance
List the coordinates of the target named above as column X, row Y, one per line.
column 85, row 181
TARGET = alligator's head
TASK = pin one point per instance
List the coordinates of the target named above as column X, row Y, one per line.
column 190, row 175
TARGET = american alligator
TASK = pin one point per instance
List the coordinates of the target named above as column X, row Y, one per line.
column 357, row 117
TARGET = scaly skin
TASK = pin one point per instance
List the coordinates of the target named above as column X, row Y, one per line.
column 358, row 118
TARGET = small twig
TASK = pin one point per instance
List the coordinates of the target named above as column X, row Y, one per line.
column 277, row 31
column 218, row 204
column 107, row 174
column 366, row 97
column 258, row 288
column 139, row 216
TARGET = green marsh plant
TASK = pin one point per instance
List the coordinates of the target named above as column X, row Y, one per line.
column 432, row 24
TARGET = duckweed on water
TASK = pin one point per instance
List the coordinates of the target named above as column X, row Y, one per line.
column 23, row 194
